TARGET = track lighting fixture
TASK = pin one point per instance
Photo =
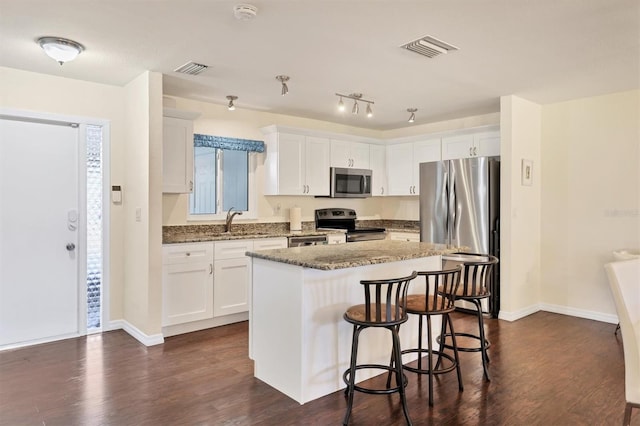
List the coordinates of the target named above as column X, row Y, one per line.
column 283, row 79
column 357, row 97
column 412, row 117
column 231, row 106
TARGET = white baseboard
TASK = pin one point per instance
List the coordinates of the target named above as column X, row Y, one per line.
column 558, row 309
column 521, row 313
column 580, row 313
column 133, row 331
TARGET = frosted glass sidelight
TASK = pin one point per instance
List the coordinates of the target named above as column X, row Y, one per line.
column 94, row 226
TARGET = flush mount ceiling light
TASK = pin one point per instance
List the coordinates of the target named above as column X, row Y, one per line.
column 231, row 106
column 412, row 117
column 61, row 49
column 283, row 79
column 245, row 12
column 357, row 97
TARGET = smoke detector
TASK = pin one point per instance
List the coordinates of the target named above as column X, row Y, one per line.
column 245, row 12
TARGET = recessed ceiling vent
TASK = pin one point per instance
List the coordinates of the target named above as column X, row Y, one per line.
column 429, row 46
column 192, row 68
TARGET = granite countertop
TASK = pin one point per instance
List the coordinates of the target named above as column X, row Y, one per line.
column 349, row 255
column 249, row 235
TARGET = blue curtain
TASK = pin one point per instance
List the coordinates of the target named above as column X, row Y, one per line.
column 228, row 143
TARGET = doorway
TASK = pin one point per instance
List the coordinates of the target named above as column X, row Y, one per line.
column 51, row 232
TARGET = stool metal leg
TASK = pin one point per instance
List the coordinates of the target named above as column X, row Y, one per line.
column 352, row 373
column 448, row 320
column 483, row 346
column 399, row 372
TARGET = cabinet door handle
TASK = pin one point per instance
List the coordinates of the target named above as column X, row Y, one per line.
column 190, row 186
column 382, row 190
column 475, row 150
column 470, row 151
column 211, row 269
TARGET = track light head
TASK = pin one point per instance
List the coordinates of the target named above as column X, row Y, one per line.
column 341, row 105
column 283, row 79
column 231, row 106
column 412, row 117
column 369, row 111
column 356, row 108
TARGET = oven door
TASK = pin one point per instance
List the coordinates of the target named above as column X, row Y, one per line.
column 350, row 183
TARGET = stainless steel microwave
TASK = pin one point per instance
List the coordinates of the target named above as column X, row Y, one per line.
column 350, row 183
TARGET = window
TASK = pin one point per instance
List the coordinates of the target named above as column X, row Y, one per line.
column 223, row 173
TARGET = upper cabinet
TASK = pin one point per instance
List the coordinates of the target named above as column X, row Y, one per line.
column 484, row 144
column 378, row 164
column 177, row 151
column 296, row 164
column 403, row 164
column 349, row 154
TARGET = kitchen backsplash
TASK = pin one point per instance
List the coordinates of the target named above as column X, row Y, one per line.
column 171, row 232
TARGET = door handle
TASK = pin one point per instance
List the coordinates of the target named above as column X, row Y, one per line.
column 71, row 246
column 211, row 269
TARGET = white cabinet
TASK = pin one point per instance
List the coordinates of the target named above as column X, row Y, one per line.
column 177, row 151
column 296, row 164
column 232, row 272
column 187, row 283
column 270, row 243
column 403, row 164
column 349, row 154
column 484, row 144
column 336, row 238
column 403, row 236
column 378, row 164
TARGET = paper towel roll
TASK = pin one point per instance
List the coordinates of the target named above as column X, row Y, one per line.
column 295, row 219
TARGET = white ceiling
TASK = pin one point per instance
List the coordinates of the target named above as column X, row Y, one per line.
column 545, row 51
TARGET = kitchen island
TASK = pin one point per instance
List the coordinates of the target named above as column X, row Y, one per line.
column 298, row 338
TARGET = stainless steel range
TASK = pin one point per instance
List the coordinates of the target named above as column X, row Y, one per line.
column 345, row 219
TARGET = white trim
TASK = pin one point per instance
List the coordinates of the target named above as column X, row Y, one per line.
column 39, row 341
column 580, row 313
column 105, row 303
column 521, row 313
column 82, row 228
column 136, row 333
column 558, row 309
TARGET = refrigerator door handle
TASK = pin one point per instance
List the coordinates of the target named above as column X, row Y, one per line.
column 453, row 213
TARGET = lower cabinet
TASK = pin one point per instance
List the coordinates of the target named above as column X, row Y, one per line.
column 404, row 236
column 232, row 271
column 187, row 283
column 205, row 284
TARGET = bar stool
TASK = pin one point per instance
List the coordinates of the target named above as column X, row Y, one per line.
column 437, row 298
column 474, row 287
column 385, row 302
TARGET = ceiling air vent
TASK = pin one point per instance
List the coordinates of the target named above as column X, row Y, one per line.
column 429, row 46
column 192, row 68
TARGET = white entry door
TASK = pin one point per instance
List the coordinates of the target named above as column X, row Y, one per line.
column 39, row 228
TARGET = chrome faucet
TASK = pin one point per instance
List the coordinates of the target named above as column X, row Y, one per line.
column 227, row 226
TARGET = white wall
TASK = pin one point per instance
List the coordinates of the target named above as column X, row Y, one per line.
column 590, row 198
column 520, row 134
column 143, row 237
column 246, row 124
column 56, row 95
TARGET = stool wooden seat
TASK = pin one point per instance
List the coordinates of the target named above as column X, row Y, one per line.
column 475, row 283
column 384, row 306
column 435, row 299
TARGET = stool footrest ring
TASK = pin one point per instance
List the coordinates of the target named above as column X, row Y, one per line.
column 487, row 344
column 385, row 391
column 426, row 371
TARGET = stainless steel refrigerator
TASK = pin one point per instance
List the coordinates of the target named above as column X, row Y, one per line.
column 460, row 205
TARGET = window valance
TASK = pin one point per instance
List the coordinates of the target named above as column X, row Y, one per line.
column 221, row 142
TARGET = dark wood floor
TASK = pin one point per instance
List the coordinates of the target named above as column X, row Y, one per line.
column 547, row 369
